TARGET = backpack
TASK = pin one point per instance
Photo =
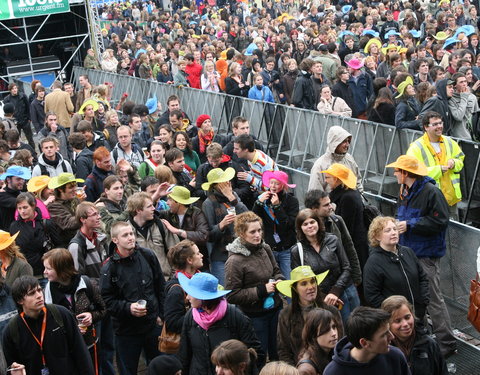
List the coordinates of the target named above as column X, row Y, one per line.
column 13, row 324
column 48, row 244
column 9, row 123
column 44, row 170
column 370, row 212
column 149, row 259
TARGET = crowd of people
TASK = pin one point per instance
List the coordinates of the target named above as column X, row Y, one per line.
column 128, row 229
column 388, row 62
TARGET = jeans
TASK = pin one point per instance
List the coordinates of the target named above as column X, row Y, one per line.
column 283, row 261
column 265, row 327
column 437, row 308
column 351, row 300
column 130, row 347
column 106, row 346
column 217, row 269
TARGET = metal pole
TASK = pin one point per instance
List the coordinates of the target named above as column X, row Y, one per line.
column 40, row 27
column 27, row 41
column 71, row 57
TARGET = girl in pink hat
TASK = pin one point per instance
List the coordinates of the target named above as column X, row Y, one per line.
column 278, row 209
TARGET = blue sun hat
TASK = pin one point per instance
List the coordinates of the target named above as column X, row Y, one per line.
column 202, row 285
column 251, row 47
column 152, row 104
column 346, row 9
column 466, row 29
column 390, row 33
column 343, row 34
column 17, row 171
column 141, row 50
column 450, row 41
column 415, row 33
column 371, row 33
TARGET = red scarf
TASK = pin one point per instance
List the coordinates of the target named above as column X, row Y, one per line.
column 155, row 164
column 189, row 275
column 204, row 139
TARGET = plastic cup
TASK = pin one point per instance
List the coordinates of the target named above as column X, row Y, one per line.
column 142, row 303
column 231, row 211
column 82, row 327
column 79, row 192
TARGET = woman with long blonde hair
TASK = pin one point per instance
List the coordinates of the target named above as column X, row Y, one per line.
column 14, row 263
column 234, row 82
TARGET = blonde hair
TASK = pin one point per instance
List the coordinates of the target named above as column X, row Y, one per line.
column 376, row 228
column 243, row 220
column 279, row 368
column 13, row 251
column 164, row 174
column 231, row 69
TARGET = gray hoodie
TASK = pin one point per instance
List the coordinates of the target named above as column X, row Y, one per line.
column 462, row 107
column 335, row 136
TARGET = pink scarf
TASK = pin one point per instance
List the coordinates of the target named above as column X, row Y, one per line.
column 206, row 320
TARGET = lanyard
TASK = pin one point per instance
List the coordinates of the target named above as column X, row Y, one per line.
column 42, row 335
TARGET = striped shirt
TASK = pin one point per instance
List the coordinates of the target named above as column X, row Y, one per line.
column 260, row 163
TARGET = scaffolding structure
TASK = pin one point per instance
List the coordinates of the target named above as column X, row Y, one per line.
column 95, row 29
column 27, row 32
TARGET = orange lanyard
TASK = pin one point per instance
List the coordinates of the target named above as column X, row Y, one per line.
column 42, row 334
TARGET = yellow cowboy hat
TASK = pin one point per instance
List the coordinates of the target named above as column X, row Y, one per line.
column 91, row 102
column 389, row 47
column 443, row 1
column 63, row 179
column 370, row 42
column 297, row 274
column 343, row 173
column 410, row 164
column 441, row 35
column 218, row 175
column 181, row 195
column 403, row 50
column 6, row 239
column 37, row 183
column 283, row 15
column 403, row 86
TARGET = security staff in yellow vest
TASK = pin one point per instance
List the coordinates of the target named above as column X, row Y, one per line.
column 442, row 156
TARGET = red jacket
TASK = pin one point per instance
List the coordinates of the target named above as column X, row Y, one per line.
column 194, row 71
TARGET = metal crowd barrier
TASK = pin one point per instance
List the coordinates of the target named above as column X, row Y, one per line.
column 295, row 138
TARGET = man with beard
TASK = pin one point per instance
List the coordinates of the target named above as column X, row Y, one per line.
column 14, row 178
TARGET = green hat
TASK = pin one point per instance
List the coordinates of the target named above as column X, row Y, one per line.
column 403, row 86
column 218, row 175
column 297, row 274
column 63, row 179
column 181, row 195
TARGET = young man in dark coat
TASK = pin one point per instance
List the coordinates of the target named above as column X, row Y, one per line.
column 63, row 350
column 131, row 274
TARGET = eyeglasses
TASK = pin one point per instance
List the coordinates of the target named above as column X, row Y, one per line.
column 438, row 123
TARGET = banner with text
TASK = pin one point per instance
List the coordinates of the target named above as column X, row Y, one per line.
column 29, row 8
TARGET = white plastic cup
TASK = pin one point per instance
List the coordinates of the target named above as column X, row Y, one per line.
column 142, row 303
column 231, row 211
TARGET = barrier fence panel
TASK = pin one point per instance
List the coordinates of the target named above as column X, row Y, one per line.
column 296, row 138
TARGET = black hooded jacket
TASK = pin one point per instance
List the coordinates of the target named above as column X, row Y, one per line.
column 439, row 103
column 303, row 92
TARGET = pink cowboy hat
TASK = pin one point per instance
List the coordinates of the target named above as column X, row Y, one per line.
column 355, row 64
column 277, row 175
